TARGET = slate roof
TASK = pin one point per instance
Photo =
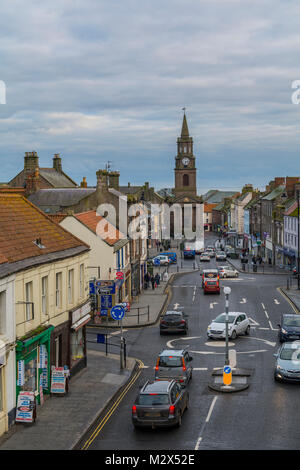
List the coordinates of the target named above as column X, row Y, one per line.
column 56, row 178
column 21, row 223
column 274, row 194
column 55, row 199
column 216, row 196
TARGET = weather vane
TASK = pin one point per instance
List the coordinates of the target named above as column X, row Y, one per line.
column 183, row 109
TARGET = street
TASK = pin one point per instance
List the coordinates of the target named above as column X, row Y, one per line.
column 262, row 417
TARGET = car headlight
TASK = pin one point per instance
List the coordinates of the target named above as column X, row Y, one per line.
column 208, row 328
column 283, row 331
column 278, row 367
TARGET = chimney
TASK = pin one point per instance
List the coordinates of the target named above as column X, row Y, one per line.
column 32, row 182
column 102, row 180
column 290, row 185
column 57, row 162
column 128, row 185
column 279, row 181
column 31, row 162
column 83, row 183
column 114, row 179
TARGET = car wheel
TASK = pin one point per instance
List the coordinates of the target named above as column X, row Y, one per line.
column 247, row 331
column 179, row 423
column 233, row 335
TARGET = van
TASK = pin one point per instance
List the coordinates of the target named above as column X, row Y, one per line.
column 210, row 275
column 172, row 257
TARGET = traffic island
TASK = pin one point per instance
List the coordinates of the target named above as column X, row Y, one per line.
column 239, row 381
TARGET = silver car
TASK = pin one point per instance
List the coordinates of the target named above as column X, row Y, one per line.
column 174, row 364
column 228, row 271
column 287, row 367
column 238, row 323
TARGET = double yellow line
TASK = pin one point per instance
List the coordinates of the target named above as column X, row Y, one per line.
column 113, row 408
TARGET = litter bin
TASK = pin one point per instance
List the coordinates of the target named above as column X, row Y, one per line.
column 254, row 268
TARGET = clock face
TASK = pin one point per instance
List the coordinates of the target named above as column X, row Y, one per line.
column 185, row 161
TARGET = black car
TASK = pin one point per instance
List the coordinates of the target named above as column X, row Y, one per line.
column 174, row 321
column 160, row 403
column 289, row 327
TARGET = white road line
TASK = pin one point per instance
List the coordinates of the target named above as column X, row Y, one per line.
column 211, row 409
column 116, row 332
column 200, row 368
column 263, row 306
column 274, row 329
column 261, row 328
column 198, row 443
column 267, row 314
column 276, row 302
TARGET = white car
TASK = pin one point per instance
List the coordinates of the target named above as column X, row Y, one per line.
column 238, row 323
column 221, row 256
column 228, row 271
column 205, row 257
column 210, row 252
column 162, row 260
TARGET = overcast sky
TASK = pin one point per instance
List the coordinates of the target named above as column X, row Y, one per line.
column 99, row 80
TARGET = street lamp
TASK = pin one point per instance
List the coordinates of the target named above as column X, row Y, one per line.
column 227, row 291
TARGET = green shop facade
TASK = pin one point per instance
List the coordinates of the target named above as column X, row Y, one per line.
column 33, row 362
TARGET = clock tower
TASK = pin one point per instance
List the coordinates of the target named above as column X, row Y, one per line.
column 185, row 170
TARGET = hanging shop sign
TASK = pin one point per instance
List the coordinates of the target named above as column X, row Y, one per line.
column 26, row 407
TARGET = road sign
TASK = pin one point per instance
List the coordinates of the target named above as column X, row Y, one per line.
column 100, row 338
column 106, row 301
column 227, row 375
column 103, row 312
column 92, row 288
column 117, row 312
column 156, row 261
column 119, row 275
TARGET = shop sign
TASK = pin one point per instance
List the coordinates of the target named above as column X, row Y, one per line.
column 41, row 391
column 58, row 380
column 21, row 373
column 25, row 407
column 43, row 356
column 81, row 312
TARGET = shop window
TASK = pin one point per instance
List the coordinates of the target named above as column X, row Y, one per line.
column 45, row 295
column 58, row 293
column 3, row 312
column 70, row 285
column 77, row 346
column 31, row 375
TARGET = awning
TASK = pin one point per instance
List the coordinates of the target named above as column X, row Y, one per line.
column 80, row 323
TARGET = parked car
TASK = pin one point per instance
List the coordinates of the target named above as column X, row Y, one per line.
column 205, row 257
column 162, row 260
column 289, row 327
column 287, row 366
column 228, row 271
column 238, row 323
column 160, row 403
column 221, row 256
column 210, row 251
column 171, row 255
column 174, row 321
column 174, row 364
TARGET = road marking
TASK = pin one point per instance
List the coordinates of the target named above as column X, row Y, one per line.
column 194, row 293
column 274, row 329
column 176, row 306
column 276, row 302
column 198, row 443
column 116, row 332
column 243, row 301
column 261, row 328
column 253, row 322
column 211, row 409
column 263, row 306
column 211, row 305
column 200, row 368
column 267, row 314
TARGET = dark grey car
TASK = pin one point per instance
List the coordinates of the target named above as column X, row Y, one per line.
column 160, row 404
column 289, row 327
column 174, row 364
column 174, row 321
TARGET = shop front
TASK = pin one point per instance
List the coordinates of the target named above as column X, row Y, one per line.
column 135, row 278
column 79, row 317
column 33, row 364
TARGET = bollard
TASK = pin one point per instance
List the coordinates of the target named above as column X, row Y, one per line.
column 177, row 268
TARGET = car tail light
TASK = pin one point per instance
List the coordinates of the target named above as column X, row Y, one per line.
column 172, row 410
column 183, row 365
column 181, row 380
column 182, row 321
column 163, row 322
column 134, row 410
column 156, row 367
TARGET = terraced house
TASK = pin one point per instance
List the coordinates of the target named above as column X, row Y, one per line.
column 43, row 301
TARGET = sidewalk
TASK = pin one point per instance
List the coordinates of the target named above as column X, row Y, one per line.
column 62, row 421
column 261, row 268
column 293, row 294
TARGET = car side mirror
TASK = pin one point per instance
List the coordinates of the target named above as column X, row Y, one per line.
column 275, row 355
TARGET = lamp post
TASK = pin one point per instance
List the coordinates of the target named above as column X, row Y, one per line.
column 227, row 291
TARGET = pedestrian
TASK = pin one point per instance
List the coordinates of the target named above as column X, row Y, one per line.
column 157, row 278
column 254, row 259
column 153, row 282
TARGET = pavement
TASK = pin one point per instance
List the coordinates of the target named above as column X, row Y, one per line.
column 262, row 268
column 63, row 420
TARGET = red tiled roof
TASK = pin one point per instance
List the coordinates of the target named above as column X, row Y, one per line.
column 91, row 219
column 209, row 207
column 57, row 218
column 21, row 223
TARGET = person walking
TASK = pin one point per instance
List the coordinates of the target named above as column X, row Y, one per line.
column 153, row 282
column 157, row 278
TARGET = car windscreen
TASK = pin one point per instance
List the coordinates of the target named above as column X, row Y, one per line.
column 173, row 316
column 153, row 399
column 170, row 361
column 290, row 354
column 291, row 321
column 222, row 318
column 210, row 275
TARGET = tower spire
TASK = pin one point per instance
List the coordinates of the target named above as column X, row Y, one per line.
column 184, row 129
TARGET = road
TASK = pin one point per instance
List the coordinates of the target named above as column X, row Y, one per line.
column 262, row 417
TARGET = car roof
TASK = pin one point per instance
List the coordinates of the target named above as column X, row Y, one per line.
column 290, row 315
column 173, row 312
column 210, row 271
column 172, row 352
column 234, row 313
column 291, row 345
column 157, row 386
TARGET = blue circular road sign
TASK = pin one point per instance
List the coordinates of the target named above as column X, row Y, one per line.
column 117, row 312
column 227, row 370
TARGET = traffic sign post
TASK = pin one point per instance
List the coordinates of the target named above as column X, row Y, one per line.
column 227, row 375
column 117, row 313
